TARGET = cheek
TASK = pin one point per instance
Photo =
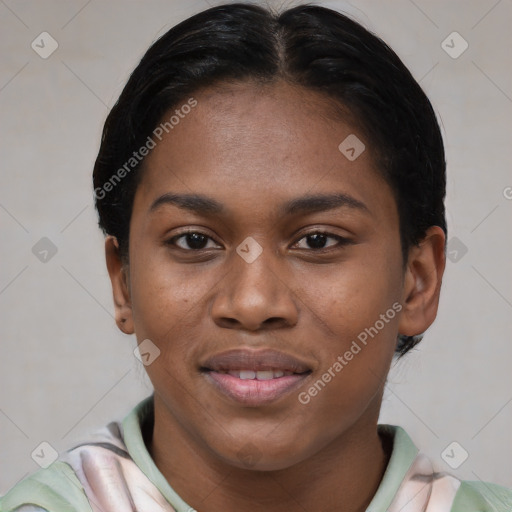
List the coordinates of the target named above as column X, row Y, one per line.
column 166, row 304
column 162, row 291
column 355, row 363
column 355, row 295
column 360, row 308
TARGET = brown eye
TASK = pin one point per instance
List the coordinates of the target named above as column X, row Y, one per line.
column 190, row 241
column 318, row 240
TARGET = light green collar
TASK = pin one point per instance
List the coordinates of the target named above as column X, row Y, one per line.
column 403, row 455
column 135, row 443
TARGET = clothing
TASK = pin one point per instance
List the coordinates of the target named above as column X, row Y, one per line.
column 114, row 472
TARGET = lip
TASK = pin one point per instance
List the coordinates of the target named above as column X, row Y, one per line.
column 254, row 392
column 255, row 360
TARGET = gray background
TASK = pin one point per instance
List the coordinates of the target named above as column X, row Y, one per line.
column 65, row 367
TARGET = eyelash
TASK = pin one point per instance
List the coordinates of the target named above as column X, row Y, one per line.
column 342, row 241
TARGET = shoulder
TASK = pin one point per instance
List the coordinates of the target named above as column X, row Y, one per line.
column 477, row 496
column 100, row 472
column 54, row 489
column 60, row 486
column 416, row 484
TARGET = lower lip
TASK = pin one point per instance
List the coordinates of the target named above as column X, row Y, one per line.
column 253, row 392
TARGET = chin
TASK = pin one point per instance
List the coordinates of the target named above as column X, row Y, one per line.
column 263, row 457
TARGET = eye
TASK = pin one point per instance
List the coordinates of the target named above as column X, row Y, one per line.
column 192, row 241
column 317, row 240
column 196, row 241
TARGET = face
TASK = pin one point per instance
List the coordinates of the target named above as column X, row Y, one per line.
column 275, row 297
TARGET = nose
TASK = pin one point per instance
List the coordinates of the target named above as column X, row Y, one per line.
column 255, row 295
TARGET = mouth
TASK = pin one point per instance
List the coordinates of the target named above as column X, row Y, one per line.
column 255, row 377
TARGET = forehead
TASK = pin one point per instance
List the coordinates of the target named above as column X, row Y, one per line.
column 258, row 142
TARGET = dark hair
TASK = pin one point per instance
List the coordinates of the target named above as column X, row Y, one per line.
column 307, row 45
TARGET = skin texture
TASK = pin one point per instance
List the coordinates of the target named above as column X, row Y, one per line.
column 252, row 148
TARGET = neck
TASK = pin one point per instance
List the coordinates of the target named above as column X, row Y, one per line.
column 344, row 475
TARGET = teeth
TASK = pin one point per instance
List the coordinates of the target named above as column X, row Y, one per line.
column 265, row 375
column 259, row 375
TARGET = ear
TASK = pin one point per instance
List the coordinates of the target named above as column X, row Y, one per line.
column 120, row 285
column 422, row 283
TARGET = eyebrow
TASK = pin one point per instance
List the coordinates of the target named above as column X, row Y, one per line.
column 204, row 205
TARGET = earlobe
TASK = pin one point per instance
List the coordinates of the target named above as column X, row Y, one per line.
column 120, row 285
column 422, row 283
